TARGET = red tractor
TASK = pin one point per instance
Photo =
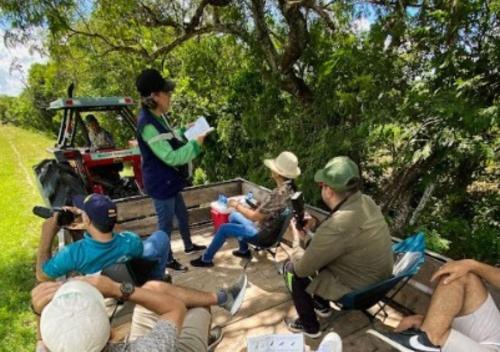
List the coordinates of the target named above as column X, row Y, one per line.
column 79, row 167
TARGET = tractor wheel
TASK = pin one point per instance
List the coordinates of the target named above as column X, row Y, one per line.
column 58, row 182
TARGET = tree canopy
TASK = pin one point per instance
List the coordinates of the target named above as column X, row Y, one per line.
column 414, row 98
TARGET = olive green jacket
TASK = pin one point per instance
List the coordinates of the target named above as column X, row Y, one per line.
column 350, row 250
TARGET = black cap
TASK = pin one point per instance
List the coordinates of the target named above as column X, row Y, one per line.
column 151, row 81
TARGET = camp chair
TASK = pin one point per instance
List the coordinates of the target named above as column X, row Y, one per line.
column 410, row 255
column 270, row 240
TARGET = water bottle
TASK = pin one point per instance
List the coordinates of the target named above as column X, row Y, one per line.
column 222, row 199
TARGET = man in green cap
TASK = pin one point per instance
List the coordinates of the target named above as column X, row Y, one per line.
column 349, row 250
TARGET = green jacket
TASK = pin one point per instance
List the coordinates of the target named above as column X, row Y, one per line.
column 350, row 250
column 164, row 151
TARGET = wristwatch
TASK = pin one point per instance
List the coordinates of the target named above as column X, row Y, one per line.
column 126, row 289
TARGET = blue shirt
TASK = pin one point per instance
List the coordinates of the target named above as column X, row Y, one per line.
column 89, row 256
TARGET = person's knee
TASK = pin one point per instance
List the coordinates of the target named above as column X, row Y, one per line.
column 155, row 285
column 233, row 216
column 161, row 239
column 472, row 279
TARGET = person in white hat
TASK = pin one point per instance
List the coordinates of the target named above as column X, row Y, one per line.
column 250, row 226
column 166, row 317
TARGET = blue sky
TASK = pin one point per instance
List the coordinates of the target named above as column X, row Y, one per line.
column 12, row 81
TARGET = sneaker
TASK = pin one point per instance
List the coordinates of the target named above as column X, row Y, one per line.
column 214, row 338
column 167, row 278
column 175, row 265
column 198, row 262
column 296, row 326
column 235, row 295
column 195, row 248
column 407, row 341
column 325, row 312
column 246, row 255
column 322, row 311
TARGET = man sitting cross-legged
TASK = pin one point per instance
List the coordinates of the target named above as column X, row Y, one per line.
column 166, row 318
column 462, row 316
column 100, row 247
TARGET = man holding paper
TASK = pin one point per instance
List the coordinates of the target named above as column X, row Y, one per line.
column 166, row 155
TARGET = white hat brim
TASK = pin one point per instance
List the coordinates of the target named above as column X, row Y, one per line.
column 271, row 164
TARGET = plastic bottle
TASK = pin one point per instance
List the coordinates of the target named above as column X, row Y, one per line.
column 222, row 199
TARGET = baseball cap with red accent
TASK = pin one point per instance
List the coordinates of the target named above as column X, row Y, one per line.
column 99, row 208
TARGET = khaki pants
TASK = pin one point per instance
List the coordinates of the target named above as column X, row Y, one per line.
column 192, row 338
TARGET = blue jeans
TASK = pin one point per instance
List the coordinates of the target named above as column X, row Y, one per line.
column 165, row 210
column 240, row 227
column 156, row 248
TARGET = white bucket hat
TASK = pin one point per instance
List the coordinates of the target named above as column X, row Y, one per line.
column 286, row 165
column 75, row 319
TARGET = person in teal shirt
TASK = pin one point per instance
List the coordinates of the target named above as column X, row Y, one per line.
column 100, row 246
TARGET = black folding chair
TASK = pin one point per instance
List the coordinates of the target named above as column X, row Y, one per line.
column 270, row 240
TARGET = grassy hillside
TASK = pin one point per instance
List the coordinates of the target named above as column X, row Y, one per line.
column 19, row 234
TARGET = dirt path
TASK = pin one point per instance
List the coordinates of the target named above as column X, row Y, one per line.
column 20, row 164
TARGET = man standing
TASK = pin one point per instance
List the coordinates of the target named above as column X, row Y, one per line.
column 348, row 250
column 165, row 158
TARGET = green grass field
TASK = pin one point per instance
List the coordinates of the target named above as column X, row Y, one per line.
column 19, row 234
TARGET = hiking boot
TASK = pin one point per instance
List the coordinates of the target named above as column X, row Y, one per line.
column 235, row 295
column 297, row 327
column 214, row 338
column 195, row 249
column 198, row 262
column 245, row 255
column 408, row 341
column 175, row 265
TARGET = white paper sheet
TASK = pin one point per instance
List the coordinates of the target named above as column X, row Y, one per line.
column 199, row 128
column 276, row 343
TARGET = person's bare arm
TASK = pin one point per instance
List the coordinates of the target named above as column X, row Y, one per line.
column 459, row 268
column 168, row 307
column 41, row 295
column 250, row 214
column 49, row 231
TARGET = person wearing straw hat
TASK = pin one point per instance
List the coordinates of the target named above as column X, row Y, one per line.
column 246, row 223
column 348, row 250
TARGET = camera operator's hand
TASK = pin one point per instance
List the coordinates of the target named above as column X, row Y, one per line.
column 108, row 287
column 78, row 223
column 311, row 222
column 42, row 294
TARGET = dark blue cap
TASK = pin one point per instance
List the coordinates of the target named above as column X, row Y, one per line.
column 99, row 208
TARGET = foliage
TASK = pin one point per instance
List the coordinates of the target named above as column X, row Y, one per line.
column 414, row 99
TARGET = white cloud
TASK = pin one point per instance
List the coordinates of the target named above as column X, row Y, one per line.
column 361, row 24
column 15, row 63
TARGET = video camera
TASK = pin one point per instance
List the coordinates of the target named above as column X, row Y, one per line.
column 65, row 217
